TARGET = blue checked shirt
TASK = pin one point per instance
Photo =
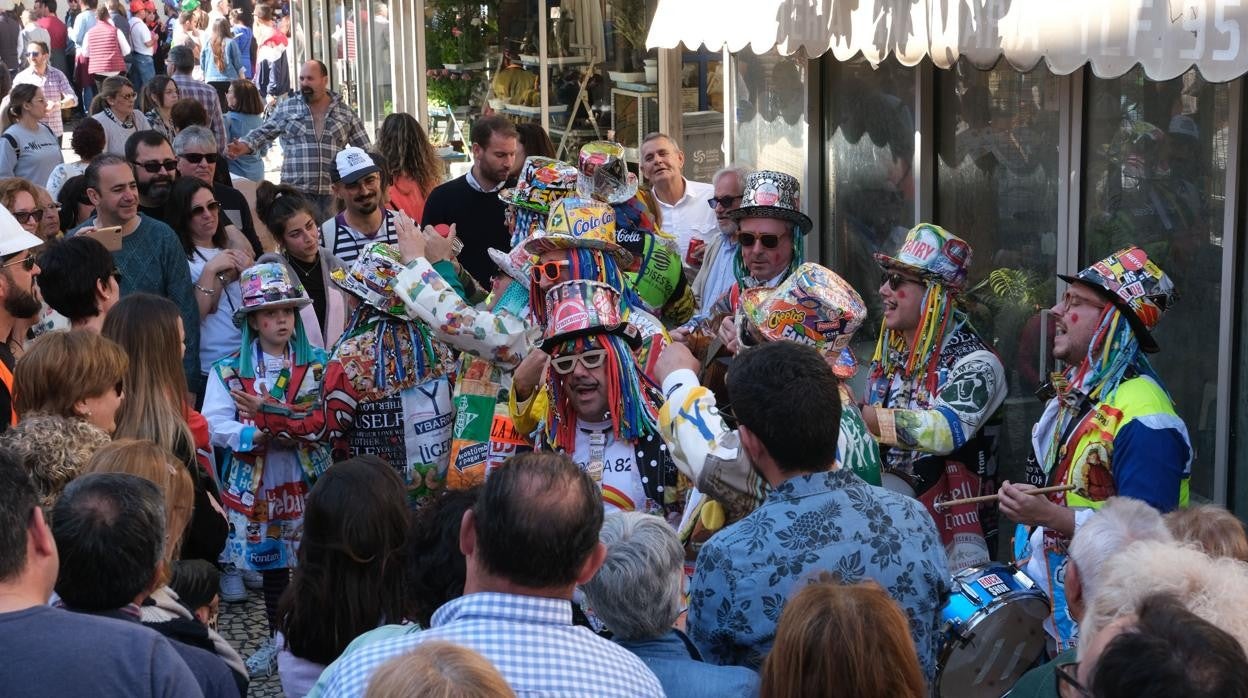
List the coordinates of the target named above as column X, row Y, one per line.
column 306, row 154
column 529, row 639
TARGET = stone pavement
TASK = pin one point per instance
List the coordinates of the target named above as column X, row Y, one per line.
column 243, row 625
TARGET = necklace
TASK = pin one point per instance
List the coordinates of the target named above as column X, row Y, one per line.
column 300, row 268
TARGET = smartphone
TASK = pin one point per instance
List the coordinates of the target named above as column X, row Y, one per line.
column 109, row 236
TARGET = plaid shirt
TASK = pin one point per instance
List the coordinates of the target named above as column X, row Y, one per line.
column 206, row 95
column 529, row 639
column 306, row 154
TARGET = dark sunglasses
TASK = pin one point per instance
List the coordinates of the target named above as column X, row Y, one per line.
column 895, row 280
column 154, row 166
column 748, row 239
column 213, row 206
column 24, row 217
column 196, row 158
column 721, row 201
column 28, row 263
column 1062, row 673
column 34, row 54
column 550, row 270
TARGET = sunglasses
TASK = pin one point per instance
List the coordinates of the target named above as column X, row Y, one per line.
column 33, row 54
column 154, row 166
column 128, row 96
column 895, row 280
column 212, row 206
column 591, row 359
column 721, row 201
column 767, row 239
column 24, row 217
column 28, row 263
column 550, row 270
column 196, row 158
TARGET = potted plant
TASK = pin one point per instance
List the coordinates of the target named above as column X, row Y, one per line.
column 458, row 34
column 631, row 21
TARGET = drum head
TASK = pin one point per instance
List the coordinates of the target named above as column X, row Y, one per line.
column 896, row 483
column 1004, row 643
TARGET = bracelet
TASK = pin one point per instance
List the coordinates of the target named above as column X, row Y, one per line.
column 205, row 291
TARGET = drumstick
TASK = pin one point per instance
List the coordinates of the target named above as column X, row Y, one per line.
column 994, row 497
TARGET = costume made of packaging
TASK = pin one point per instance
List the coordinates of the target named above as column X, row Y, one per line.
column 1110, row 429
column 624, row 453
column 814, row 307
column 264, row 487
column 937, row 400
column 387, row 388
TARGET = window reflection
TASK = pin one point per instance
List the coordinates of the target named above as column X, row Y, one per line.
column 1155, row 166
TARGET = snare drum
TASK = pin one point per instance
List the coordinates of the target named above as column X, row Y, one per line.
column 993, row 631
column 897, row 483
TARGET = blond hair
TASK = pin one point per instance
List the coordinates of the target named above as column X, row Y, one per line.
column 61, row 369
column 159, row 466
column 1210, row 528
column 438, row 670
column 1212, row 588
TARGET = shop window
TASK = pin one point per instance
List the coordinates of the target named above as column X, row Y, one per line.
column 772, row 112
column 1154, row 176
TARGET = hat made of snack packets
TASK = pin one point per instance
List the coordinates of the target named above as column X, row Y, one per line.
column 516, row 263
column 576, row 222
column 1136, row 285
column 580, row 308
column 813, row 306
column 268, row 285
column 932, row 252
column 542, row 183
column 371, row 278
column 603, row 173
column 771, row 194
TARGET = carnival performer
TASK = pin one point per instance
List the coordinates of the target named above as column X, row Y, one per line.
column 603, row 410
column 934, row 390
column 1109, row 429
column 813, row 306
column 542, row 183
column 264, row 481
column 386, row 389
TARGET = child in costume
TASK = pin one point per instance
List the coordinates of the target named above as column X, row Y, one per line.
column 264, row 481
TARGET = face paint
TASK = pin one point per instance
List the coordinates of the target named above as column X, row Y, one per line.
column 1074, row 317
column 901, row 294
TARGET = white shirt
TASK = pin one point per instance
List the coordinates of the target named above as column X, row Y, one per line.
column 621, row 480
column 218, row 336
column 139, row 36
column 690, row 217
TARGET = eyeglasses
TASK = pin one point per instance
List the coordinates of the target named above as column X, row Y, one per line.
column 34, row 54
column 196, row 158
column 128, row 96
column 895, row 280
column 551, row 270
column 563, row 365
column 24, row 217
column 52, row 207
column 721, row 201
column 1062, row 673
column 154, row 166
column 27, row 262
column 213, row 206
column 767, row 239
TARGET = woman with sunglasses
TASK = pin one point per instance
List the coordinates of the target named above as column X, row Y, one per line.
column 215, row 264
column 56, row 87
column 114, row 109
column 22, row 199
column 30, row 149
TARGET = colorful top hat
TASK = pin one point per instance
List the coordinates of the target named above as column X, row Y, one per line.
column 813, row 306
column 371, row 278
column 1136, row 285
column 580, row 308
column 771, row 194
column 268, row 285
column 575, row 222
column 603, row 173
column 516, row 263
column 542, row 183
column 933, row 252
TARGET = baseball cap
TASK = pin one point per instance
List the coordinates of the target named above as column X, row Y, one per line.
column 136, row 6
column 351, row 164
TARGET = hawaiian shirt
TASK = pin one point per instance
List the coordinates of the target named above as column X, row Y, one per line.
column 828, row 525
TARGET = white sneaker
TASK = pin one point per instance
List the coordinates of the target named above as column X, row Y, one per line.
column 253, row 580
column 263, row 662
column 232, row 589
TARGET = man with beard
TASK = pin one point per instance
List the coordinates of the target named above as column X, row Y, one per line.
column 357, row 178
column 180, row 63
column 197, row 153
column 20, row 299
column 471, row 202
column 155, row 168
column 314, row 127
column 151, row 259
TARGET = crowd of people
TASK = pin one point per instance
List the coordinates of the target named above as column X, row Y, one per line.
column 538, row 429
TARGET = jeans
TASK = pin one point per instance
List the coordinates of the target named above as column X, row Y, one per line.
column 141, row 69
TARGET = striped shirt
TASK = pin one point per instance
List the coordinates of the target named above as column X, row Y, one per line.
column 55, row 88
column 307, row 154
column 346, row 243
column 529, row 639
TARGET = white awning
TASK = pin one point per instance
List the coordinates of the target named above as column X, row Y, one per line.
column 1167, row 37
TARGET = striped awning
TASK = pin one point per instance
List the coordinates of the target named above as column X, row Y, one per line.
column 1166, row 37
